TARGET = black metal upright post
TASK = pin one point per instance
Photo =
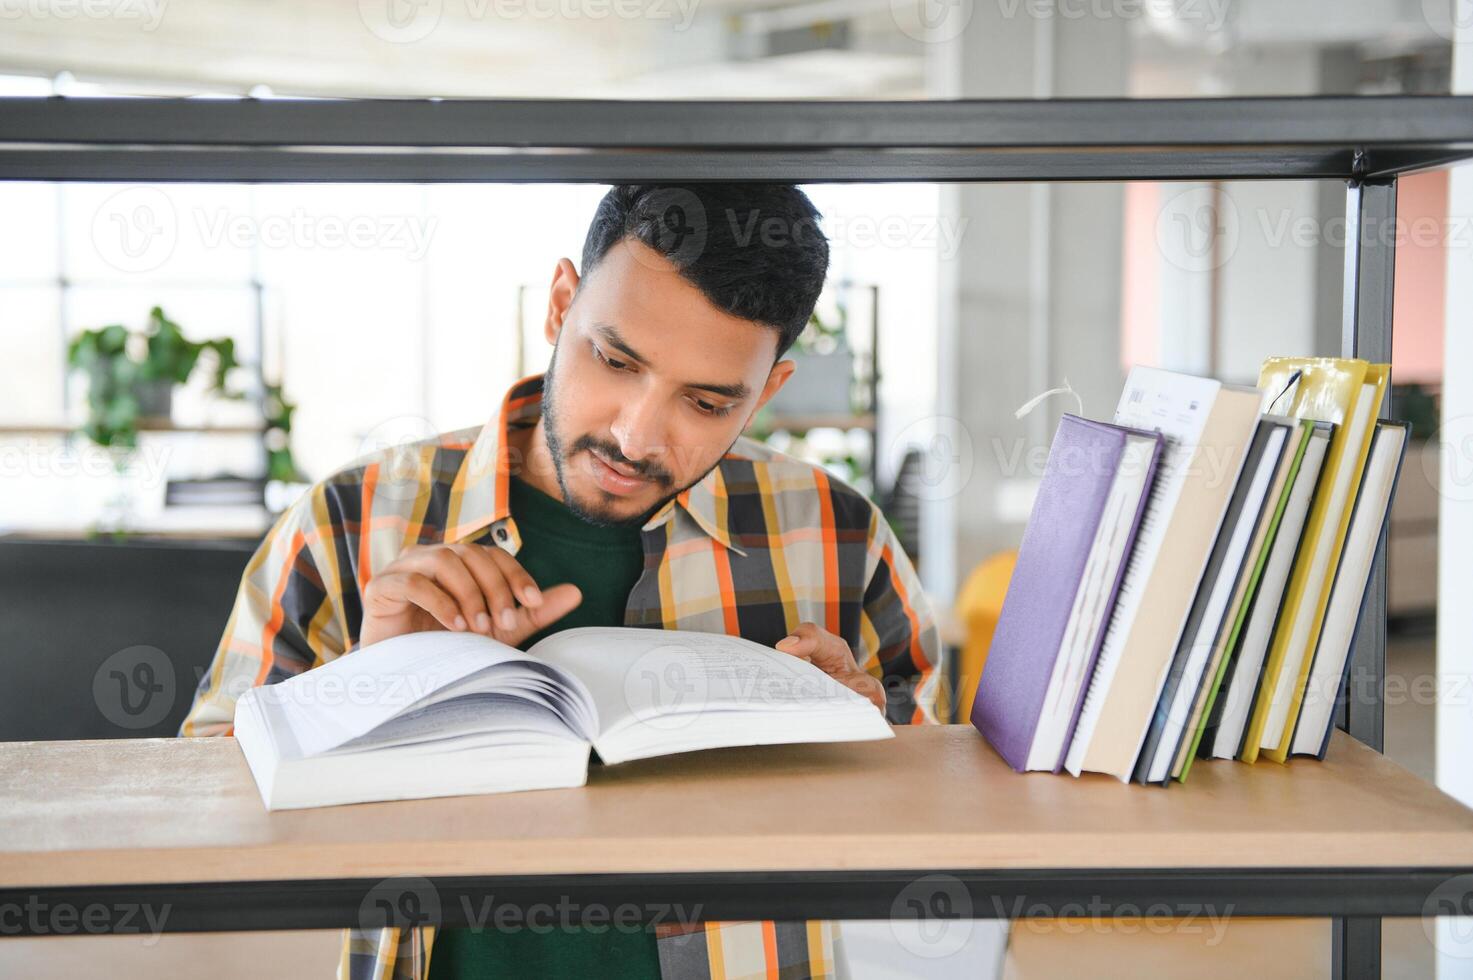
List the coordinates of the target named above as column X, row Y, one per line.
column 1370, row 275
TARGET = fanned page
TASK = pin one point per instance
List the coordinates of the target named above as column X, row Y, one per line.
column 350, row 699
column 424, row 714
column 658, row 692
column 1177, row 406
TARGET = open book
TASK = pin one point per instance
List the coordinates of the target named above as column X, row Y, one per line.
column 446, row 714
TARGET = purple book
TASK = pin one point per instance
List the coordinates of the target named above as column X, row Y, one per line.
column 1070, row 565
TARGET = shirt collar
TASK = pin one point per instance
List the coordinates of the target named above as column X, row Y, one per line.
column 480, row 493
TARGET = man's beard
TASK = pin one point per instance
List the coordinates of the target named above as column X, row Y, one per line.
column 645, row 468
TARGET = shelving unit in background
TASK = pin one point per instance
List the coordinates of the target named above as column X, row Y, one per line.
column 1367, row 142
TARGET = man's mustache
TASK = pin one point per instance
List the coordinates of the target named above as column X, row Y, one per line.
column 645, row 468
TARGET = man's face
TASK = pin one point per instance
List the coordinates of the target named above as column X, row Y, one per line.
column 649, row 384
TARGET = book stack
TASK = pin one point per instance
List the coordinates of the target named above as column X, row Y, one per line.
column 1192, row 573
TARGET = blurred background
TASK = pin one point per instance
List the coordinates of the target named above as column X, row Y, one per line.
column 181, row 360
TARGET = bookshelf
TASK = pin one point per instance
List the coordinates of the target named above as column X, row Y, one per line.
column 1367, row 142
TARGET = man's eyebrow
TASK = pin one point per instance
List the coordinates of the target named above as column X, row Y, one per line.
column 611, row 336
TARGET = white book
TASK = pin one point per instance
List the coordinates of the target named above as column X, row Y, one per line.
column 1347, row 592
column 447, row 714
column 1217, row 588
column 1241, row 684
column 1341, row 487
column 1206, row 426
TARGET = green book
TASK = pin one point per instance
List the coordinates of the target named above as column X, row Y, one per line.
column 1245, row 601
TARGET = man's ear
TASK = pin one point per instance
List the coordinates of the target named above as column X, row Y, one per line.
column 559, row 298
column 776, row 378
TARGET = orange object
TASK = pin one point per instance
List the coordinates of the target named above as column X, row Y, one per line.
column 978, row 606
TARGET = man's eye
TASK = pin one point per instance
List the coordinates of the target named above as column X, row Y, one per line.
column 616, row 365
column 708, row 408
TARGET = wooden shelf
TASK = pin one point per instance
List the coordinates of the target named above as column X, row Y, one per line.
column 109, row 813
column 802, row 423
column 144, row 425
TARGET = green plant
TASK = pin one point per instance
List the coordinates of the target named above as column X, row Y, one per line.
column 278, row 412
column 121, row 363
column 821, row 336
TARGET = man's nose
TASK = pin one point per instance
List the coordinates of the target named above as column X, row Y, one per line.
column 640, row 429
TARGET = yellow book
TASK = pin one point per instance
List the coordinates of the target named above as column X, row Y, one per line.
column 1348, row 393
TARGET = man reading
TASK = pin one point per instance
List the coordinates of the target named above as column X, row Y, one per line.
column 616, row 489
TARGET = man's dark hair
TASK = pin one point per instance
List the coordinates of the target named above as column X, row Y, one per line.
column 754, row 250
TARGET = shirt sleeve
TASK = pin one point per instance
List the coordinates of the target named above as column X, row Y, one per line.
column 288, row 615
column 900, row 640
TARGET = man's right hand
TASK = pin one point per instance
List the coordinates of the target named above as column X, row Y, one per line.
column 460, row 587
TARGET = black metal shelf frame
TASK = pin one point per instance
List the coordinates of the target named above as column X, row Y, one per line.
column 1365, row 141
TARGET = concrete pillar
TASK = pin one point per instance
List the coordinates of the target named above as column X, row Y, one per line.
column 1032, row 294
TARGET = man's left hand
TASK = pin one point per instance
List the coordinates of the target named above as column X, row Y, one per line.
column 832, row 655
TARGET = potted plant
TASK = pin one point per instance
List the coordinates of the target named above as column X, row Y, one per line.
column 132, row 375
column 823, row 380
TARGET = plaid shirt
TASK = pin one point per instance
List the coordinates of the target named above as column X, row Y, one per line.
column 761, row 544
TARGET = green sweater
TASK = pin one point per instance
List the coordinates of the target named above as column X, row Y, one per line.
column 604, row 562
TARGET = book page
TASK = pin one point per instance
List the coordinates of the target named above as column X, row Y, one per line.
column 346, row 698
column 661, row 676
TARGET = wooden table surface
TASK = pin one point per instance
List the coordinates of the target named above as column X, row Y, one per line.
column 177, row 810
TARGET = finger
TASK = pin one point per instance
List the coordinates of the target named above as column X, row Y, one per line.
column 450, row 573
column 822, row 648
column 421, row 590
column 865, row 684
column 557, row 602
column 803, row 640
column 518, row 578
column 501, row 604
